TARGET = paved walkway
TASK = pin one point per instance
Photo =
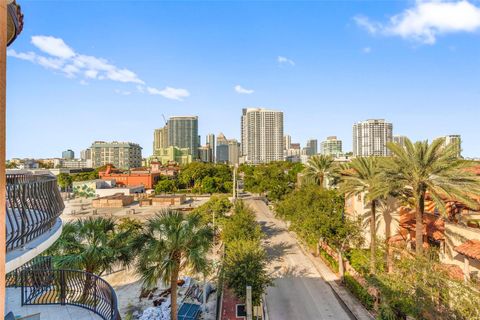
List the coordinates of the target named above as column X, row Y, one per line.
column 50, row 312
column 299, row 293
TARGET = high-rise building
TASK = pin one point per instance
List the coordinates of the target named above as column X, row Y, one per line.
column 183, row 133
column 399, row 140
column 456, row 140
column 68, row 154
column 160, row 138
column 222, row 149
column 205, row 153
column 312, row 147
column 123, row 155
column 211, row 144
column 370, row 138
column 331, row 147
column 262, row 135
column 86, row 154
column 287, row 141
column 233, row 151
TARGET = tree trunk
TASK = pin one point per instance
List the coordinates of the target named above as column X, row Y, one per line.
column 373, row 238
column 173, row 287
column 419, row 225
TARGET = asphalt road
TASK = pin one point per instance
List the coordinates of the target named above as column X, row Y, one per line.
column 299, row 292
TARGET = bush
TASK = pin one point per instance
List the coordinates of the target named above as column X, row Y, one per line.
column 359, row 291
column 333, row 263
column 241, row 225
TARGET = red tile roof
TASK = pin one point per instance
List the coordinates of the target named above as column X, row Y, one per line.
column 471, row 249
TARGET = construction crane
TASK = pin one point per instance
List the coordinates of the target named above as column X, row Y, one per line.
column 164, row 119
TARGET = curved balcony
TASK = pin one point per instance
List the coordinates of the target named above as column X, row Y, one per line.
column 69, row 287
column 33, row 207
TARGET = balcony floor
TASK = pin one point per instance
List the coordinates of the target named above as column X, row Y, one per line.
column 47, row 312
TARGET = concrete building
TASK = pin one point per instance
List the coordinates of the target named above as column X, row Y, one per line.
column 312, row 147
column 262, row 135
column 287, row 141
column 76, row 164
column 233, row 151
column 211, row 144
column 160, row 138
column 205, row 154
column 331, row 147
column 183, row 133
column 68, row 154
column 172, row 154
column 370, row 138
column 123, row 155
column 222, row 149
column 456, row 140
column 399, row 140
column 86, row 154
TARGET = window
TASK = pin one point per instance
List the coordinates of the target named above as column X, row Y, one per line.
column 241, row 311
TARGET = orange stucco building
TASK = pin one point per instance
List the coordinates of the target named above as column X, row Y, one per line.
column 131, row 178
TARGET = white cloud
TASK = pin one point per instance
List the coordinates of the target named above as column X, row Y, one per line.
column 28, row 56
column 169, row 93
column 285, row 60
column 53, row 46
column 239, row 89
column 426, row 20
column 367, row 50
column 63, row 59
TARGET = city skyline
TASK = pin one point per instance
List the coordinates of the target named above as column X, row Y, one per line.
column 322, row 86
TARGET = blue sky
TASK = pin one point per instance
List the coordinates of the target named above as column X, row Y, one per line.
column 84, row 70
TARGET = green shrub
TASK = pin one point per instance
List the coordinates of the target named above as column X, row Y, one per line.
column 332, row 263
column 359, row 291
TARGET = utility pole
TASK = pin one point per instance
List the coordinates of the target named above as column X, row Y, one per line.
column 235, row 182
column 248, row 303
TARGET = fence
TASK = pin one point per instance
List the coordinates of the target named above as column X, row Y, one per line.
column 33, row 204
column 69, row 287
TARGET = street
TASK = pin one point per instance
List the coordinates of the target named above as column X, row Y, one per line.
column 299, row 292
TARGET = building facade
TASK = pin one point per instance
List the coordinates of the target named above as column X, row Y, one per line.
column 456, row 140
column 262, row 135
column 312, row 147
column 68, row 154
column 123, row 155
column 183, row 133
column 331, row 147
column 86, row 154
column 160, row 138
column 172, row 154
column 211, row 144
column 370, row 138
column 205, row 154
column 399, row 140
column 233, row 151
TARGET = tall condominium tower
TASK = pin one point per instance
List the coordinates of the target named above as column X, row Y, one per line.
column 399, row 140
column 123, row 155
column 160, row 138
column 312, row 147
column 370, row 138
column 331, row 147
column 287, row 141
column 211, row 145
column 183, row 133
column 68, row 154
column 456, row 140
column 262, row 135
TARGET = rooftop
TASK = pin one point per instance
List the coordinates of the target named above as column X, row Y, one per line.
column 471, row 249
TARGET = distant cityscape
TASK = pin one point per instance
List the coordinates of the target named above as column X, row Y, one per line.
column 262, row 140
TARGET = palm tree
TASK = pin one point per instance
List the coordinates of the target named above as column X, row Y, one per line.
column 364, row 176
column 93, row 245
column 417, row 169
column 171, row 242
column 318, row 168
